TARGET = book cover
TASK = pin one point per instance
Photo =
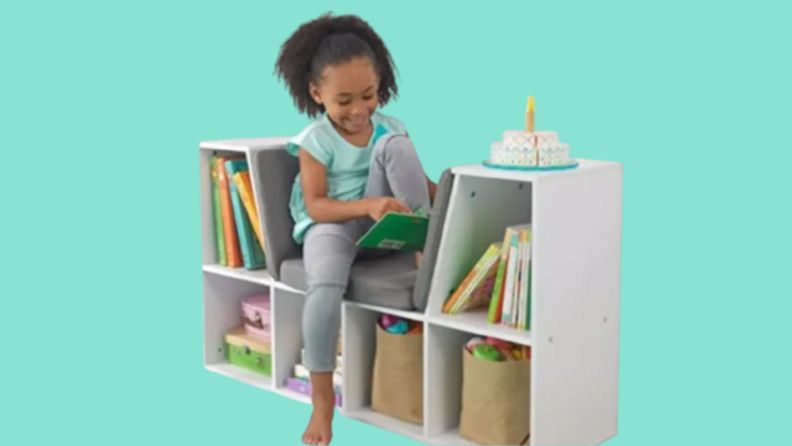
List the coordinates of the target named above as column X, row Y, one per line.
column 233, row 254
column 217, row 213
column 401, row 232
column 252, row 254
column 459, row 296
column 479, row 290
column 245, row 189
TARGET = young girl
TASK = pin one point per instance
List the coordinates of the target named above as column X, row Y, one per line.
column 356, row 164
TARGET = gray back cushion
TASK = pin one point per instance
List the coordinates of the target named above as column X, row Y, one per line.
column 275, row 171
column 436, row 223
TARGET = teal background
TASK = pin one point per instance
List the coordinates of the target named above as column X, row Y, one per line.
column 103, row 106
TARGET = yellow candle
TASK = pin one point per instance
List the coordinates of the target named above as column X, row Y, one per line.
column 529, row 116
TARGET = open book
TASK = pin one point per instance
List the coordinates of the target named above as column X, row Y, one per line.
column 399, row 232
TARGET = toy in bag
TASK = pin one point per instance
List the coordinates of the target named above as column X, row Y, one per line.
column 496, row 392
column 493, row 349
column 397, row 383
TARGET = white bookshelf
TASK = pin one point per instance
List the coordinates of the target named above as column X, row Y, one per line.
column 576, row 251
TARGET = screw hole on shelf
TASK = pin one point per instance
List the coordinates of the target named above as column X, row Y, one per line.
column 520, row 186
column 472, row 194
column 551, row 339
column 605, row 320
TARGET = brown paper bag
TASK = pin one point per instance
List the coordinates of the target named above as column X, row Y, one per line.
column 496, row 401
column 397, row 384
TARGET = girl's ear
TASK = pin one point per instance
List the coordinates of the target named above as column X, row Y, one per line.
column 315, row 93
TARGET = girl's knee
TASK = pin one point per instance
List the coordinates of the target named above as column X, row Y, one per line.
column 393, row 144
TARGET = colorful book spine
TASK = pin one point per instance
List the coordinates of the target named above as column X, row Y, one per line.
column 496, row 302
column 217, row 213
column 515, row 307
column 243, row 185
column 233, row 254
column 524, row 322
column 511, row 279
column 252, row 254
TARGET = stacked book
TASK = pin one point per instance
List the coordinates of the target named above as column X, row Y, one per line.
column 238, row 234
column 501, row 280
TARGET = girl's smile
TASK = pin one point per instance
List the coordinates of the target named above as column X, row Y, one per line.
column 348, row 92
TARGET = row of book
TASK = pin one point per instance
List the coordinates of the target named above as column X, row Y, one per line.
column 238, row 234
column 500, row 280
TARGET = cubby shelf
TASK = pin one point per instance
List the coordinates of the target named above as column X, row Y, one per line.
column 475, row 322
column 575, row 307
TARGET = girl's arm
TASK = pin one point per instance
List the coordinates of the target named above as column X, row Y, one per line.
column 321, row 209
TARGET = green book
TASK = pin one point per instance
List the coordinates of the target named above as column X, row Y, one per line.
column 218, row 219
column 399, row 232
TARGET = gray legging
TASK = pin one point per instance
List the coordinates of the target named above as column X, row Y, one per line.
column 329, row 248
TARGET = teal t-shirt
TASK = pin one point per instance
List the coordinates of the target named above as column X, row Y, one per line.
column 347, row 166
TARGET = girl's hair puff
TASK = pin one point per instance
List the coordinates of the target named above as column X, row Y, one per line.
column 330, row 40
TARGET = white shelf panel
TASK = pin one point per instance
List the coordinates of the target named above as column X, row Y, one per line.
column 240, row 374
column 449, row 438
column 256, row 380
column 480, row 171
column 412, row 315
column 243, row 144
column 261, row 276
column 575, row 313
column 476, row 322
column 381, row 421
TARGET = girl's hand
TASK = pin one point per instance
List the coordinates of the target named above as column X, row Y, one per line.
column 378, row 207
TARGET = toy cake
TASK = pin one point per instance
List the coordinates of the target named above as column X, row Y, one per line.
column 530, row 149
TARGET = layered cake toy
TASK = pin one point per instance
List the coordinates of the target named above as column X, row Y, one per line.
column 530, row 149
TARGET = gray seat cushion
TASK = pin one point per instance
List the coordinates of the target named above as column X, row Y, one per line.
column 386, row 281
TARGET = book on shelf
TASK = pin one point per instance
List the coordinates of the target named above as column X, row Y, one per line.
column 237, row 226
column 500, row 280
column 245, row 190
column 217, row 214
column 476, row 289
column 232, row 248
column 251, row 249
column 512, row 298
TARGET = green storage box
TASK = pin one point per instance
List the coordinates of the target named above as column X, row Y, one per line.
column 250, row 353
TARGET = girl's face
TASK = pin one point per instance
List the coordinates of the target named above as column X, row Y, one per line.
column 348, row 92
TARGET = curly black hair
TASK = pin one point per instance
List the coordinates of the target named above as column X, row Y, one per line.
column 330, row 40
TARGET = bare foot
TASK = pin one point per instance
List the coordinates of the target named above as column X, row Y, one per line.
column 320, row 428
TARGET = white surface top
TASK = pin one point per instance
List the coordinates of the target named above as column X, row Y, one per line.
column 478, row 170
column 245, row 144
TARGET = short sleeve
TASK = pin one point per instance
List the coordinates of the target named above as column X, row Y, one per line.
column 314, row 141
column 393, row 125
